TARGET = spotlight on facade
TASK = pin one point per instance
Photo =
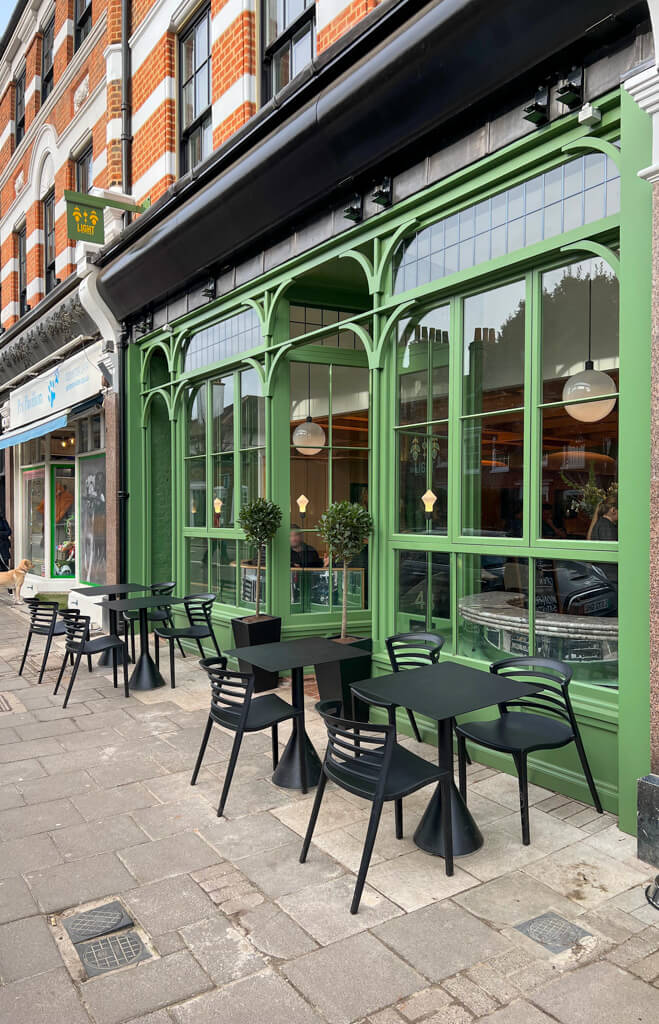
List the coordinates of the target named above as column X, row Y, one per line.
column 208, row 291
column 570, row 92
column 353, row 211
column 382, row 192
column 537, row 112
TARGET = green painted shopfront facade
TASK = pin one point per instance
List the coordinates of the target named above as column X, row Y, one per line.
column 431, row 344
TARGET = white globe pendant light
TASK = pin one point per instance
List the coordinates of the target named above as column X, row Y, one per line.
column 589, row 383
column 309, row 437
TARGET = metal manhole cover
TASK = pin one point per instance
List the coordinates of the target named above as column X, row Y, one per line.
column 99, row 921
column 110, row 952
column 553, row 932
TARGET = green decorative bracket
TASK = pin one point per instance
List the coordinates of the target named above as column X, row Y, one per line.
column 385, row 330
column 587, row 245
column 364, row 263
column 388, row 248
column 593, row 143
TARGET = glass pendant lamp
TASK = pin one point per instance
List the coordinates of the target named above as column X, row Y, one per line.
column 308, row 437
column 589, row 383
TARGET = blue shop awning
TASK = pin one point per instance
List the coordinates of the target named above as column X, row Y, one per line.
column 13, row 437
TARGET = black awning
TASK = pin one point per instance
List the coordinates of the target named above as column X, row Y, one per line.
column 451, row 56
column 96, row 401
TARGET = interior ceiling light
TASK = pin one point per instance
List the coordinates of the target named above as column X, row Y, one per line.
column 589, row 383
column 309, row 437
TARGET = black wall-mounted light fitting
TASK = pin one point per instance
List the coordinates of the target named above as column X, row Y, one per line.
column 382, row 192
column 570, row 91
column 145, row 325
column 208, row 291
column 537, row 112
column 353, row 211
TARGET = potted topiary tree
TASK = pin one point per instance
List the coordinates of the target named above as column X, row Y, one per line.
column 260, row 519
column 344, row 527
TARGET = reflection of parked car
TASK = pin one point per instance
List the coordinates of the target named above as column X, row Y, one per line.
column 575, row 588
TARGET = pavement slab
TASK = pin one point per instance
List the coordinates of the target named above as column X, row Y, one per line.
column 599, row 992
column 43, row 999
column 67, row 885
column 27, row 948
column 244, row 1002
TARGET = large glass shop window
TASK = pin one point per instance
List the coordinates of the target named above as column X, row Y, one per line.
column 34, row 502
column 423, row 403
column 330, row 403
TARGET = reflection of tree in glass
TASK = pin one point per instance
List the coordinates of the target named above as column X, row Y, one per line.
column 565, row 315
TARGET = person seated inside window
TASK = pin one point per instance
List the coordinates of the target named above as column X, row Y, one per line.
column 549, row 527
column 303, row 556
column 605, row 522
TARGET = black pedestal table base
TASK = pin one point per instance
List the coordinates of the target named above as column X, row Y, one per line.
column 467, row 837
column 287, row 772
column 145, row 674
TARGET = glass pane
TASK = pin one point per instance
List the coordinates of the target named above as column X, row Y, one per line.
column 223, row 570
column 301, row 50
column 201, row 42
column 96, row 432
column 222, row 490
column 33, row 451
column 423, row 461
column 350, row 475
column 201, row 90
column 83, row 435
column 494, row 349
column 310, row 573
column 580, row 311
column 440, row 595
column 275, row 19
column 248, row 573
column 422, row 344
column 309, row 479
column 252, row 475
column 91, row 544
column 34, row 496
column 64, row 521
column 579, row 477
column 350, row 406
column 197, row 552
column 195, row 471
column 222, row 391
column 188, row 104
column 252, row 410
column 197, row 421
column 195, row 147
column 493, row 603
column 576, row 618
column 492, row 475
column 412, row 603
column 356, row 580
column 281, row 68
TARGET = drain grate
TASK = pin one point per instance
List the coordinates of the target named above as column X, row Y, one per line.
column 110, row 952
column 99, row 921
column 4, row 703
column 553, row 932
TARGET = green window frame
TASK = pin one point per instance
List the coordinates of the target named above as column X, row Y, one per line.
column 224, row 467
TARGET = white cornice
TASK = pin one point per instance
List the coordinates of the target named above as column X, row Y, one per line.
column 644, row 88
column 72, row 69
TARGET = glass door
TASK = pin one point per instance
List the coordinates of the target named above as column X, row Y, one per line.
column 34, row 499
column 64, row 520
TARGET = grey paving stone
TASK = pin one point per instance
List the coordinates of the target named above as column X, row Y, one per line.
column 96, row 837
column 27, row 749
column 169, row 942
column 162, row 858
column 10, row 797
column 45, row 999
column 39, row 730
column 50, row 714
column 73, row 760
column 519, row 1012
column 257, row 998
column 441, row 939
column 223, row 952
column 21, row 770
column 95, row 738
column 154, row 984
column 159, row 1017
column 511, row 899
column 105, row 803
column 27, row 948
column 169, row 904
column 279, row 872
column 599, row 992
column 323, row 910
column 80, row 881
column 15, row 899
column 243, row 837
column 57, row 787
column 371, row 977
column 273, row 932
column 22, row 855
column 27, row 821
column 167, row 819
column 8, row 735
column 107, row 717
column 119, row 771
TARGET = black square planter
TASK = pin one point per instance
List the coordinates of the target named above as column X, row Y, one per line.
column 335, row 678
column 264, row 630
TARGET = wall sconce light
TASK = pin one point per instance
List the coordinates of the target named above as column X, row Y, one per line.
column 570, row 93
column 302, row 503
column 193, row 508
column 217, row 506
column 537, row 112
column 353, row 210
column 428, row 499
column 382, row 192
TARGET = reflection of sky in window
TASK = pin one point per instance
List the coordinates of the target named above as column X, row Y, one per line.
column 489, row 311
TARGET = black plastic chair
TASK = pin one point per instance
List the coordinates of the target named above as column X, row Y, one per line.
column 163, row 615
column 234, row 706
column 78, row 643
column 43, row 622
column 198, row 610
column 413, row 650
column 520, row 732
column 366, row 760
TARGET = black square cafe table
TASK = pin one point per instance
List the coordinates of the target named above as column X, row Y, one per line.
column 442, row 692
column 293, row 655
column 111, row 591
column 146, row 675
